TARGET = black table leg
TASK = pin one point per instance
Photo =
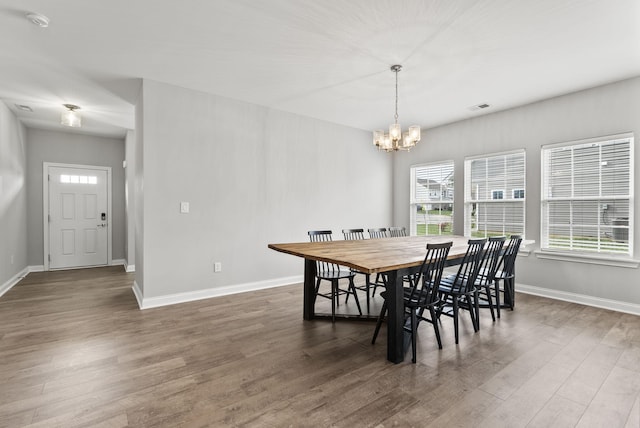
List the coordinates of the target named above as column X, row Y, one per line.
column 309, row 289
column 395, row 318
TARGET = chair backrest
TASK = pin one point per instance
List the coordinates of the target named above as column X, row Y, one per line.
column 490, row 259
column 353, row 234
column 397, row 232
column 425, row 283
column 323, row 236
column 377, row 233
column 468, row 271
column 508, row 262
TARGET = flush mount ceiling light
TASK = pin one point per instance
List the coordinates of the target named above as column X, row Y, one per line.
column 396, row 140
column 38, row 19
column 71, row 117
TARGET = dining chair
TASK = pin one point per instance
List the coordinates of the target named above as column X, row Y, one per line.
column 381, row 279
column 506, row 273
column 352, row 235
column 380, row 232
column 421, row 295
column 458, row 291
column 397, row 232
column 333, row 273
column 487, row 270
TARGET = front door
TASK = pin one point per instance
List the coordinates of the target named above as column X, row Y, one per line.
column 78, row 222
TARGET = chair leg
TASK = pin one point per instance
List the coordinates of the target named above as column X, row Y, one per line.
column 414, row 333
column 468, row 304
column 476, row 308
column 334, row 296
column 352, row 287
column 436, row 329
column 368, row 286
column 487, row 290
column 496, row 286
column 455, row 317
column 383, row 312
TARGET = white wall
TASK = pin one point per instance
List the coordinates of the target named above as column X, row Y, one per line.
column 72, row 148
column 252, row 176
column 13, row 198
column 605, row 110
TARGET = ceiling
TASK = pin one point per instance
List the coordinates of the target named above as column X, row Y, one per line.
column 325, row 59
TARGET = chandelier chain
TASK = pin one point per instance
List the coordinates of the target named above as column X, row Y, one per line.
column 396, row 115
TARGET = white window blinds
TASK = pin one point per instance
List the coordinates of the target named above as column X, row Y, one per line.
column 587, row 195
column 495, row 195
column 432, row 190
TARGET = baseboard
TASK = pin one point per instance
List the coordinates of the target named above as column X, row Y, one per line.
column 172, row 299
column 36, row 268
column 138, row 293
column 13, row 281
column 583, row 299
column 129, row 268
column 118, row 262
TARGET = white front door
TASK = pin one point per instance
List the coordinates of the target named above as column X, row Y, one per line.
column 78, row 222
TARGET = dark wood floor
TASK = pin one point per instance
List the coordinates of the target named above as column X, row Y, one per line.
column 76, row 351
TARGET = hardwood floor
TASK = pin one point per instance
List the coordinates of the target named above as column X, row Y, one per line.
column 76, row 351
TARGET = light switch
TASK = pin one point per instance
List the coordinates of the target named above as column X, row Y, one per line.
column 184, row 207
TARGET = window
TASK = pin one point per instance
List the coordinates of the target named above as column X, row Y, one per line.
column 497, row 194
column 587, row 195
column 518, row 193
column 494, row 202
column 78, row 179
column 432, row 199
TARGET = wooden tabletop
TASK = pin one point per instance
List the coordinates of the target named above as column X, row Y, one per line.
column 373, row 255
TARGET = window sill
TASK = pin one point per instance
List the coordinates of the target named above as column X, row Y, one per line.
column 588, row 258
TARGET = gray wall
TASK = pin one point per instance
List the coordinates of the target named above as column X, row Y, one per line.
column 13, row 196
column 252, row 176
column 62, row 147
column 130, row 200
column 605, row 110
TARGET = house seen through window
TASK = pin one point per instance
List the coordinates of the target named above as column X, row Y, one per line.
column 432, row 191
column 494, row 202
column 587, row 196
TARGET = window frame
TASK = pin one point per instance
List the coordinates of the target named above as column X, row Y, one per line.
column 469, row 203
column 600, row 200
column 414, row 202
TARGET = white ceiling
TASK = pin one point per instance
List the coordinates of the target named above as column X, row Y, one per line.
column 327, row 59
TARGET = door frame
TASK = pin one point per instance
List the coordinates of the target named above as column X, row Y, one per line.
column 45, row 205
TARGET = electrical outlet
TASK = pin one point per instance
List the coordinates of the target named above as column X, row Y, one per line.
column 184, row 207
column 11, row 258
column 217, row 267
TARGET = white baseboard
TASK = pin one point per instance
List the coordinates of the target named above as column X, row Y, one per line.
column 172, row 299
column 138, row 293
column 13, row 281
column 129, row 268
column 583, row 299
column 36, row 268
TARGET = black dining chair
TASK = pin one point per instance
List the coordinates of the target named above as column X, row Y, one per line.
column 397, row 232
column 458, row 291
column 487, row 270
column 421, row 295
column 506, row 274
column 381, row 279
column 333, row 273
column 352, row 235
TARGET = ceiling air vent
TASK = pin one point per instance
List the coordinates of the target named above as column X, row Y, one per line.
column 479, row 107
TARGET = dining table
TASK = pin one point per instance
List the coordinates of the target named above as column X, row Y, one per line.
column 396, row 257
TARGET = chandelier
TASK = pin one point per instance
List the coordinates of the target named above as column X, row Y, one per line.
column 396, row 140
